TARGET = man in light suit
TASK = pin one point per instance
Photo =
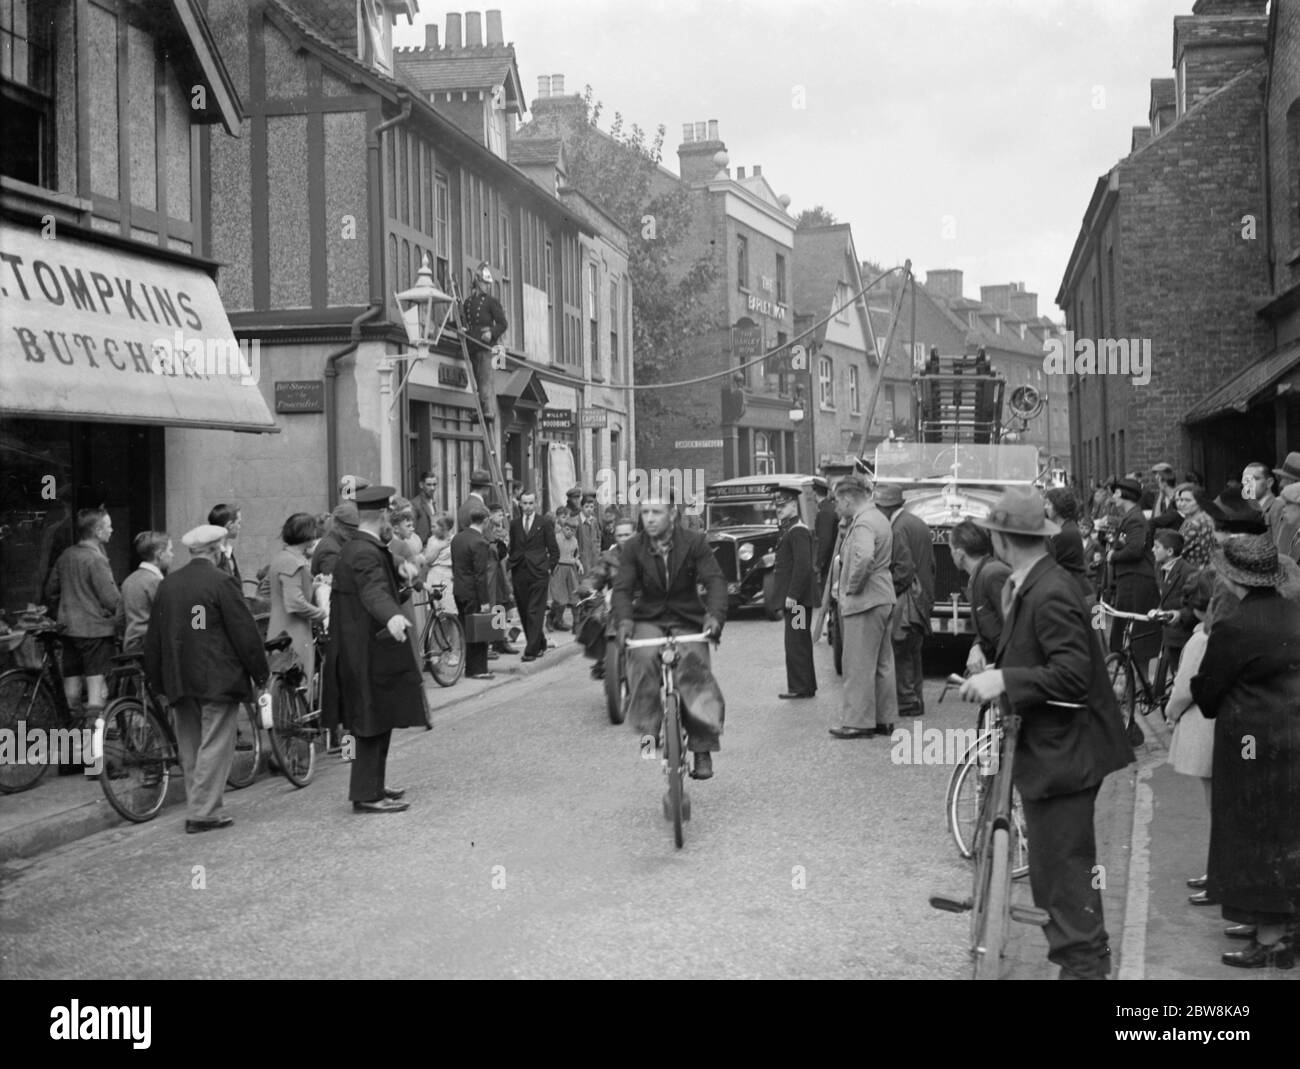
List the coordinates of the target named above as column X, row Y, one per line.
column 865, row 592
column 1051, row 667
column 534, row 554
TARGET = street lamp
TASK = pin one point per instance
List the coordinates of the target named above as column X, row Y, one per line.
column 418, row 307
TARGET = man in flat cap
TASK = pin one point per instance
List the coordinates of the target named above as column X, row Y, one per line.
column 201, row 649
column 794, row 592
column 1052, row 669
column 480, row 480
column 864, row 589
column 372, row 682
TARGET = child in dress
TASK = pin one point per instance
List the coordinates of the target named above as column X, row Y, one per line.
column 564, row 580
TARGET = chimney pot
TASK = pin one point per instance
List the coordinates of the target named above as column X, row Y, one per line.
column 473, row 29
column 453, row 30
column 758, row 171
column 701, row 131
column 431, row 37
column 494, row 34
column 557, row 85
column 543, row 85
column 713, row 129
column 688, row 132
column 740, row 173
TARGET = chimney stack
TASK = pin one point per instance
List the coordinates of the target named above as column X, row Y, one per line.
column 946, row 284
column 543, row 85
column 557, row 85
column 453, row 30
column 713, row 129
column 431, row 37
column 695, row 155
column 494, row 33
column 1025, row 305
column 740, row 173
column 997, row 296
column 758, row 171
column 473, row 29
column 688, row 132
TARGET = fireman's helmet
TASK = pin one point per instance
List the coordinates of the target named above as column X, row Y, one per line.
column 484, row 273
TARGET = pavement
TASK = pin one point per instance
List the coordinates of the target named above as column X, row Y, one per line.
column 62, row 809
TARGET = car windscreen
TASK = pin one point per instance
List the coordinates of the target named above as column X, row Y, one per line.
column 740, row 514
column 961, row 461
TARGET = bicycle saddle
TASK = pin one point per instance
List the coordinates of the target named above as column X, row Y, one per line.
column 282, row 641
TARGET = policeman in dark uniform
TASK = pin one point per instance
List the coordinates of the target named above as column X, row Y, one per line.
column 485, row 322
column 795, row 590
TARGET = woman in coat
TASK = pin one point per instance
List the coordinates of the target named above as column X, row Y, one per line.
column 290, row 589
column 1249, row 684
column 1062, row 507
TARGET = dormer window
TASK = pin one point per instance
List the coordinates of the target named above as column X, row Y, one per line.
column 375, row 20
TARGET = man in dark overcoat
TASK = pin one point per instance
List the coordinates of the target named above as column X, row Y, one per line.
column 372, row 680
column 1051, row 667
column 472, row 564
column 912, row 618
column 794, row 592
column 826, row 530
column 534, row 554
column 1248, row 683
column 200, row 650
column 480, row 480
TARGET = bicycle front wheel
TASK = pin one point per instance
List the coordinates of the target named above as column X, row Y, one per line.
column 294, row 731
column 137, row 760
column 676, row 760
column 444, row 648
column 992, row 907
column 25, row 703
column 966, row 790
column 1119, row 670
column 615, row 681
column 248, row 747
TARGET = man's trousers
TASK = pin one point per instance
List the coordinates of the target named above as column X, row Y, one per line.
column 870, row 689
column 205, row 736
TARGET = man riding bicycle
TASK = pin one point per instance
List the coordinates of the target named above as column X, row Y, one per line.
column 655, row 594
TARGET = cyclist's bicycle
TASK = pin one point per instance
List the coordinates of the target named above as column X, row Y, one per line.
column 672, row 740
column 990, row 901
column 1134, row 691
column 969, row 785
column 593, row 611
column 294, row 727
column 442, row 644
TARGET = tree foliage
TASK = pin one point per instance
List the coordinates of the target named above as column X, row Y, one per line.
column 671, row 282
column 817, row 216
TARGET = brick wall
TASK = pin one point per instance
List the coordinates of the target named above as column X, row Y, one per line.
column 1284, row 145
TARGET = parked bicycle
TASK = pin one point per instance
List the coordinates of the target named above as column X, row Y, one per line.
column 442, row 644
column 1134, row 690
column 32, row 699
column 969, row 785
column 990, row 903
column 672, row 741
column 294, row 726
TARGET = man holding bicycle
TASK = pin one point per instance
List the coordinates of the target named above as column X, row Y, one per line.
column 655, row 595
column 1051, row 667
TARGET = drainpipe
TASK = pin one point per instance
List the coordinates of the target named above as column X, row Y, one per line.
column 331, row 394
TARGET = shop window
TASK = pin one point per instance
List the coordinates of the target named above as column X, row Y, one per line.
column 764, row 456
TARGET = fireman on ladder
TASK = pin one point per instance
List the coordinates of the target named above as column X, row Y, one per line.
column 485, row 319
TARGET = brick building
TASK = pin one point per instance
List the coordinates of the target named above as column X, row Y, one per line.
column 1184, row 248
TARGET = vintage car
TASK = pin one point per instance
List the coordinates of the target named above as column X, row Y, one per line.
column 943, row 484
column 740, row 524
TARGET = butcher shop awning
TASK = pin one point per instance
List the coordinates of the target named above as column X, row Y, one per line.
column 93, row 332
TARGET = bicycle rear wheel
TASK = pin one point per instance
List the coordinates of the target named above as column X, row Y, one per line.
column 992, row 906
column 248, row 747
column 294, row 731
column 966, row 791
column 615, row 681
column 444, row 648
column 676, row 762
column 25, row 703
column 137, row 760
column 1119, row 670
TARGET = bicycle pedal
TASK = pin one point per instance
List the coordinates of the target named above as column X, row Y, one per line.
column 951, row 905
column 1030, row 915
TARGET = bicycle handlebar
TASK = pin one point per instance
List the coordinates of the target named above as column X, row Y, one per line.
column 634, row 643
column 1123, row 615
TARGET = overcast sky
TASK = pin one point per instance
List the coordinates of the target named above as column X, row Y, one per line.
column 959, row 133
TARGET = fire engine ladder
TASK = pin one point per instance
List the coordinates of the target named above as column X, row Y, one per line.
column 954, row 404
column 488, row 428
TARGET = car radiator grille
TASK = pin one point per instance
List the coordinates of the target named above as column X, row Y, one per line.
column 948, row 578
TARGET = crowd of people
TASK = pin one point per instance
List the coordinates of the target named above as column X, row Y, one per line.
column 376, row 557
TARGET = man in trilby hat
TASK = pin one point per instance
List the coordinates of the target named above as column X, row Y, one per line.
column 1051, row 667
column 480, row 480
column 201, row 649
